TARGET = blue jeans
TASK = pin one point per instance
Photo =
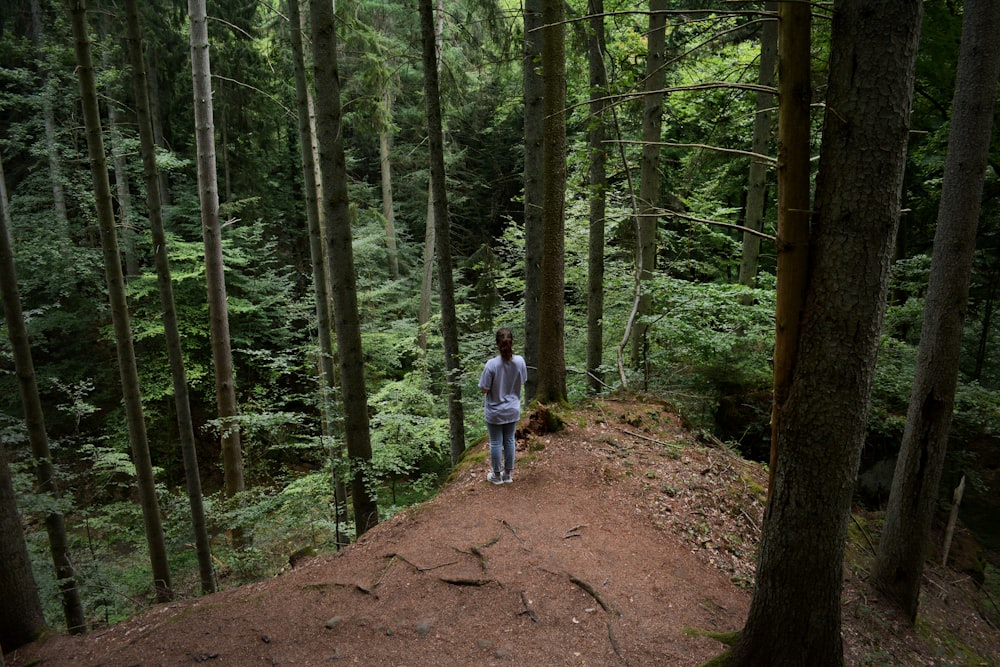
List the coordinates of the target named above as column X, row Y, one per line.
column 501, row 446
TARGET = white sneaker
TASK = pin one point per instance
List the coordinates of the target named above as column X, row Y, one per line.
column 507, row 478
column 494, row 478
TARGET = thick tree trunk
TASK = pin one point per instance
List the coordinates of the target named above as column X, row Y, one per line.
column 534, row 119
column 649, row 175
column 757, row 179
column 215, row 279
column 795, row 97
column 317, row 255
column 182, row 403
column 21, row 619
column 551, row 386
column 34, row 420
column 119, row 305
column 446, row 289
column 598, row 182
column 338, row 240
column 794, row 616
column 903, row 547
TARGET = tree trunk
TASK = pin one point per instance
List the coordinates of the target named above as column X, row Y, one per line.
column 51, row 142
column 446, row 289
column 34, row 420
column 649, row 175
column 794, row 616
column 757, row 179
column 21, row 619
column 317, row 256
column 598, row 181
column 902, row 551
column 792, row 245
column 385, row 166
column 215, row 279
column 154, row 114
column 338, row 240
column 534, row 119
column 551, row 386
column 182, row 403
column 122, row 190
column 119, row 305
column 427, row 281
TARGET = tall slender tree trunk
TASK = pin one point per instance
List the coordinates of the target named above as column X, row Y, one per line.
column 51, row 140
column 34, row 420
column 338, row 239
column 122, row 190
column 119, row 305
column 208, row 195
column 902, row 550
column 316, row 252
column 534, row 115
column 155, row 117
column 385, row 167
column 21, row 619
column 794, row 97
column 649, row 175
column 794, row 616
column 446, row 289
column 598, row 181
column 427, row 281
column 551, row 386
column 987, row 318
column 757, row 179
column 182, row 402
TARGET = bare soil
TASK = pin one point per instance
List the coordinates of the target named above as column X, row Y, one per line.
column 623, row 540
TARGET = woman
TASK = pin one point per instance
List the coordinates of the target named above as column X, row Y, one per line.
column 501, row 383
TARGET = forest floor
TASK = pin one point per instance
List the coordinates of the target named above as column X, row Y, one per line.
column 623, row 540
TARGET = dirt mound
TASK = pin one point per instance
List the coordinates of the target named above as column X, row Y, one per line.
column 620, row 542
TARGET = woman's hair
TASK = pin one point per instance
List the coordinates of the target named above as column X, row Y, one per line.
column 505, row 343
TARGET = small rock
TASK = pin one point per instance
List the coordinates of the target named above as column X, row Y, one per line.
column 423, row 627
column 484, row 643
column 333, row 622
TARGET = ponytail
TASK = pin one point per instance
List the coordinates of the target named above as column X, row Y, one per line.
column 505, row 343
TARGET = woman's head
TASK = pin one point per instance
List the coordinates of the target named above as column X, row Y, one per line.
column 505, row 343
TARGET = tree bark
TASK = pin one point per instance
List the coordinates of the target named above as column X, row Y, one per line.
column 903, row 547
column 649, row 175
column 598, row 181
column 794, row 616
column 794, row 98
column 338, row 239
column 182, row 402
column 757, row 179
column 51, row 138
column 534, row 120
column 21, row 619
column 317, row 255
column 385, row 168
column 551, row 386
column 446, row 289
column 34, row 420
column 215, row 279
column 119, row 305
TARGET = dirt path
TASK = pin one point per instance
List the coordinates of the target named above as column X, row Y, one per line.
column 618, row 537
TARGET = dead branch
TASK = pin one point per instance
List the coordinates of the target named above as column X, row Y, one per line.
column 606, row 606
column 574, row 531
column 465, row 581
